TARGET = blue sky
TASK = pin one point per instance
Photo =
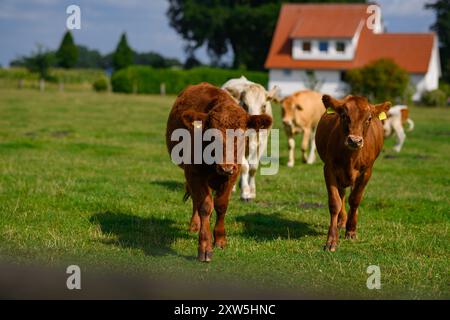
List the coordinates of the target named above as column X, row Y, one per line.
column 24, row 23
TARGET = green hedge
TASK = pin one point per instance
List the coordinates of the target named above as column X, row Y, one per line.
column 56, row 74
column 142, row 79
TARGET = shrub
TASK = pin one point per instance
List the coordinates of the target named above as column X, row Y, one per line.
column 434, row 98
column 380, row 80
column 444, row 86
column 101, row 84
column 142, row 79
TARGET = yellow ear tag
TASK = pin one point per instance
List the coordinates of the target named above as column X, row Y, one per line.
column 382, row 116
column 330, row 111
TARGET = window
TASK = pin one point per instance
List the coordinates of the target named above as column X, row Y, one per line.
column 287, row 72
column 323, row 46
column 343, row 76
column 306, row 46
column 340, row 46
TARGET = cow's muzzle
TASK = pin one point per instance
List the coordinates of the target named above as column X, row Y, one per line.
column 354, row 142
column 226, row 169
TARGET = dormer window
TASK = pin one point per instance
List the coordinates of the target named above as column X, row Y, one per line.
column 340, row 46
column 323, row 46
column 306, row 46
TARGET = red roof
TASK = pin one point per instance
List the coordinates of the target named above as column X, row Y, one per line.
column 412, row 51
column 339, row 23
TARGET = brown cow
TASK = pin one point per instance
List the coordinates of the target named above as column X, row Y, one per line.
column 349, row 138
column 215, row 109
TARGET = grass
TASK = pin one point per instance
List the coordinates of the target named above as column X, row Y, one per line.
column 86, row 178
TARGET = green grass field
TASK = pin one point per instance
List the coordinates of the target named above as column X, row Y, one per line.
column 85, row 178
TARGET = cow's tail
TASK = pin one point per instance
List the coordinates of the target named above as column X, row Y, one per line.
column 187, row 194
column 410, row 124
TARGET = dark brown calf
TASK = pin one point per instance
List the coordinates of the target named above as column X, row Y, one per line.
column 215, row 109
column 349, row 138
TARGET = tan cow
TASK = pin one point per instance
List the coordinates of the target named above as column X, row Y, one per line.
column 301, row 113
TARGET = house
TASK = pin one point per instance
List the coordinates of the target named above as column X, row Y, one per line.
column 315, row 44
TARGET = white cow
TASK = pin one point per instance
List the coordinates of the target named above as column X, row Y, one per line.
column 256, row 100
column 396, row 117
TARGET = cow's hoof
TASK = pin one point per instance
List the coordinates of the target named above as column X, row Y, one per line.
column 246, row 199
column 350, row 235
column 220, row 244
column 290, row 165
column 330, row 247
column 204, row 256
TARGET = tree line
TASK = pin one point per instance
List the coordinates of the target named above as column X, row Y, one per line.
column 70, row 55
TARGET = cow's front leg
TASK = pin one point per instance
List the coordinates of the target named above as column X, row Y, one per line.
column 354, row 201
column 305, row 143
column 194, row 225
column 312, row 151
column 221, row 200
column 334, row 205
column 342, row 218
column 291, row 145
column 255, row 152
column 400, row 136
column 204, row 203
column 245, row 187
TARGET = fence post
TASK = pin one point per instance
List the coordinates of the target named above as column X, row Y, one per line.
column 61, row 85
column 20, row 84
column 41, row 84
column 162, row 89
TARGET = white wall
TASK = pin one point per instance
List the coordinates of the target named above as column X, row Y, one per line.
column 316, row 54
column 292, row 80
column 430, row 80
column 331, row 54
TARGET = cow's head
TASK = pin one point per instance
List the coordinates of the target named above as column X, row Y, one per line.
column 356, row 116
column 255, row 99
column 289, row 111
column 223, row 117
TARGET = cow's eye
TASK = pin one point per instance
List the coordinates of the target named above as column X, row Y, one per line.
column 345, row 118
column 368, row 120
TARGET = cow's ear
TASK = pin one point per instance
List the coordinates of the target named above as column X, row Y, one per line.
column 262, row 121
column 381, row 109
column 191, row 118
column 233, row 93
column 331, row 103
column 274, row 95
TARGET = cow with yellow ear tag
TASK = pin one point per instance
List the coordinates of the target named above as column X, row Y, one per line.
column 349, row 139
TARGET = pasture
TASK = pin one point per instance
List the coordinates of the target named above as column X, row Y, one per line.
column 85, row 178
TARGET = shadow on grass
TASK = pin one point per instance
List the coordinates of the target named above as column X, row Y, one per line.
column 153, row 236
column 171, row 185
column 272, row 226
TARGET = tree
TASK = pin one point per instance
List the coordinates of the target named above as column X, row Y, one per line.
column 442, row 27
column 123, row 56
column 243, row 26
column 67, row 54
column 380, row 80
column 155, row 60
column 88, row 58
column 40, row 61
